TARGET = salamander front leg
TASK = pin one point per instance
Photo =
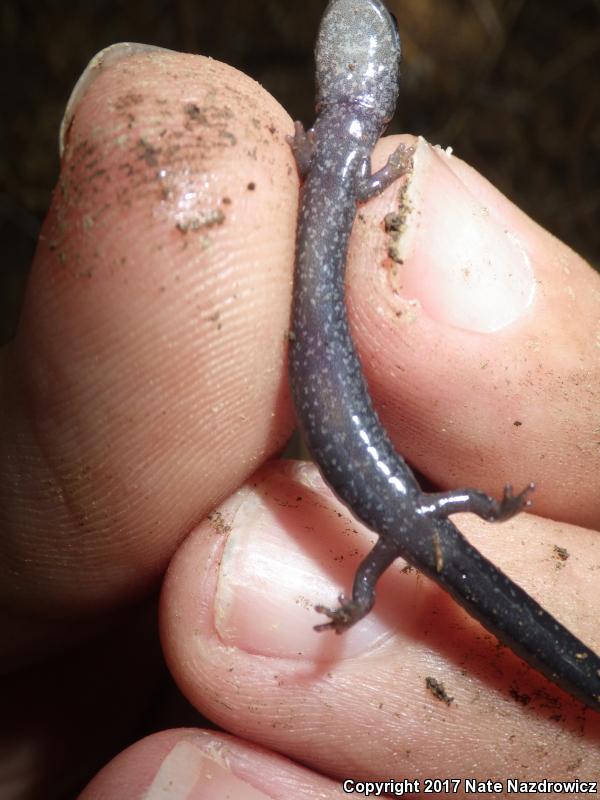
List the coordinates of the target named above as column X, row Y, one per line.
column 363, row 590
column 303, row 147
column 441, row 505
column 398, row 164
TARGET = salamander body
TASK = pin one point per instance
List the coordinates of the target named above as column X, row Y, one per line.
column 358, row 57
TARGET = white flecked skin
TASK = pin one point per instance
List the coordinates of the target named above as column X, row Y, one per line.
column 358, row 56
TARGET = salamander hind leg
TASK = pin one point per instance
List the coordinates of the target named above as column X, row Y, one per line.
column 441, row 505
column 363, row 590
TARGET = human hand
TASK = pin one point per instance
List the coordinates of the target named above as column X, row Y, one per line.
column 147, row 382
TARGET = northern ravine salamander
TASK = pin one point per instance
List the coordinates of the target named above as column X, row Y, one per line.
column 357, row 59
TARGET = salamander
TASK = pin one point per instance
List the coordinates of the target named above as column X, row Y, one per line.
column 357, row 66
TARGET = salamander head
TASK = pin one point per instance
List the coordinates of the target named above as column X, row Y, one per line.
column 358, row 56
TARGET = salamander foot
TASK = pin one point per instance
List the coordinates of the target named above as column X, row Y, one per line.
column 511, row 503
column 342, row 617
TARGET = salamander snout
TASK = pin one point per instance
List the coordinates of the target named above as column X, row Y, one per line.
column 358, row 56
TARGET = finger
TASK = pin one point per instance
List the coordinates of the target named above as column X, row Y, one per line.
column 190, row 764
column 147, row 379
column 478, row 333
column 237, row 612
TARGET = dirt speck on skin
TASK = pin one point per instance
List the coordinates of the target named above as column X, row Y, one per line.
column 199, row 221
column 560, row 552
column 521, row 698
column 438, row 690
column 127, row 101
column 148, row 152
column 218, row 523
column 394, row 225
column 194, row 113
column 392, row 222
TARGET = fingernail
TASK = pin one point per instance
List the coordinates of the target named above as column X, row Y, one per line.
column 105, row 58
column 194, row 772
column 456, row 255
column 291, row 545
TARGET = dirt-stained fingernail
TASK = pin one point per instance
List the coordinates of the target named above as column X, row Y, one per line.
column 105, row 58
column 456, row 255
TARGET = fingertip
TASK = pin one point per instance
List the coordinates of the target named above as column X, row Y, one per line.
column 471, row 372
column 248, row 577
column 194, row 764
column 149, row 367
column 237, row 616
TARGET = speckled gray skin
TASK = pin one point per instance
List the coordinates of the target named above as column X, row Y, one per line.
column 358, row 54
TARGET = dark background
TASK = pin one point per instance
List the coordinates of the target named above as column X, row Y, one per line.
column 511, row 85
